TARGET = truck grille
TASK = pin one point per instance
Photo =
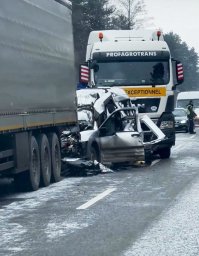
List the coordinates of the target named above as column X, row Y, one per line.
column 146, row 105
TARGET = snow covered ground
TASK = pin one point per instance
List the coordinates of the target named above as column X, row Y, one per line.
column 176, row 232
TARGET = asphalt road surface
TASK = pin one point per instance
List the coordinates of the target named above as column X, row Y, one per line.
column 133, row 211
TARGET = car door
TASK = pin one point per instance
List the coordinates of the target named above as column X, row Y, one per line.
column 118, row 145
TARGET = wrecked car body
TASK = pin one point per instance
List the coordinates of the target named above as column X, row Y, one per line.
column 118, row 139
column 110, row 129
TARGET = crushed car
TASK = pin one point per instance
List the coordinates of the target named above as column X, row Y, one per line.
column 110, row 130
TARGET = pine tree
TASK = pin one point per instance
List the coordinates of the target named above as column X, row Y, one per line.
column 188, row 57
column 88, row 15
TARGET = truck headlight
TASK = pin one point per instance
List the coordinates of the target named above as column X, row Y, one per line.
column 167, row 124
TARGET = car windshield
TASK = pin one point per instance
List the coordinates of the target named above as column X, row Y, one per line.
column 131, row 73
column 179, row 112
column 183, row 103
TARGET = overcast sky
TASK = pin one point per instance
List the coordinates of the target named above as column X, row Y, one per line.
column 179, row 16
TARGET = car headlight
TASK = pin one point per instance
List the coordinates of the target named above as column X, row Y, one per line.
column 167, row 124
column 183, row 122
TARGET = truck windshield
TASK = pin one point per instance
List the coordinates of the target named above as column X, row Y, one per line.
column 125, row 73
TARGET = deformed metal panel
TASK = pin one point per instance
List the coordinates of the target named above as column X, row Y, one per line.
column 37, row 57
column 117, row 155
column 154, row 128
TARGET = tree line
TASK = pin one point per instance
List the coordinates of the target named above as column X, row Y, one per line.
column 88, row 15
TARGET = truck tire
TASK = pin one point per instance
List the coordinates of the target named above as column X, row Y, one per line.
column 45, row 160
column 164, row 153
column 33, row 174
column 55, row 157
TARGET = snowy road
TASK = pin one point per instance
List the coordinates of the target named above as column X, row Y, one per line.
column 134, row 211
column 176, row 231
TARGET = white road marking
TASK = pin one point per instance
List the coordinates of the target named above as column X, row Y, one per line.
column 95, row 199
column 193, row 136
column 155, row 162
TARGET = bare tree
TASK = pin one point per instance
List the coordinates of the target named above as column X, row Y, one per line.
column 130, row 10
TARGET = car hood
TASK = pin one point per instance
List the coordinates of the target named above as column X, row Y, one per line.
column 180, row 118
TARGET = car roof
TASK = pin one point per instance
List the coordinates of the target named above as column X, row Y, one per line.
column 179, row 109
column 189, row 95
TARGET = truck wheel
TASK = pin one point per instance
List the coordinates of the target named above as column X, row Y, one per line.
column 33, row 175
column 164, row 153
column 45, row 159
column 55, row 157
column 94, row 154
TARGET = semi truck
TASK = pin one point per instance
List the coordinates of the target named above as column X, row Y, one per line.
column 37, row 79
column 139, row 62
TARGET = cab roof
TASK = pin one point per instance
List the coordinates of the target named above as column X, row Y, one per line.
column 131, row 46
column 125, row 35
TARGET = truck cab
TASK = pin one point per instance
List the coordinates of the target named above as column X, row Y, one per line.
column 139, row 62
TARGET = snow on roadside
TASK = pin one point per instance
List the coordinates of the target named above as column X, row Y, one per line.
column 176, row 232
column 13, row 234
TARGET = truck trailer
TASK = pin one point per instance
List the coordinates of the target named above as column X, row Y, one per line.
column 139, row 62
column 37, row 79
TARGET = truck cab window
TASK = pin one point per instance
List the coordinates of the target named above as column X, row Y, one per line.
column 157, row 76
column 125, row 73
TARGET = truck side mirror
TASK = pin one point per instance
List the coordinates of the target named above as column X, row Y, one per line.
column 84, row 74
column 93, row 65
column 178, row 71
column 96, row 68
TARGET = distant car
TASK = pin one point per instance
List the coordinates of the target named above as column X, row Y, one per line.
column 181, row 120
